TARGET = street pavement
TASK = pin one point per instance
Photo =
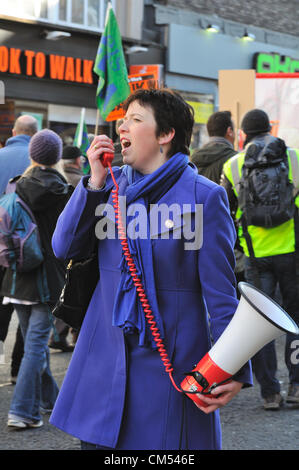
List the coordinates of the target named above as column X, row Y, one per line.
column 245, row 425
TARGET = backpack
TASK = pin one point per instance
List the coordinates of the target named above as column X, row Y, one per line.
column 20, row 247
column 265, row 193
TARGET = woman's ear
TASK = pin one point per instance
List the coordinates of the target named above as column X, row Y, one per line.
column 166, row 138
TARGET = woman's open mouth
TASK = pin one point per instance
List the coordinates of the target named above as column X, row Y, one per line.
column 125, row 144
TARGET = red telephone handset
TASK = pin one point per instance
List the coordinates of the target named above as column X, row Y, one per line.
column 106, row 158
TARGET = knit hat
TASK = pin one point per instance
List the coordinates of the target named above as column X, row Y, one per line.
column 45, row 147
column 70, row 153
column 255, row 121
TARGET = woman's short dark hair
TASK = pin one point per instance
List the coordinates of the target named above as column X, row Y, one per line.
column 171, row 111
column 218, row 123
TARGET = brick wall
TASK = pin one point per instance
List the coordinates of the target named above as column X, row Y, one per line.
column 276, row 15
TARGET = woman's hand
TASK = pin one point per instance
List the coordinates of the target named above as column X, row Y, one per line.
column 99, row 145
column 227, row 391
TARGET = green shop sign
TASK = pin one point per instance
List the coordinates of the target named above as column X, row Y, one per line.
column 265, row 62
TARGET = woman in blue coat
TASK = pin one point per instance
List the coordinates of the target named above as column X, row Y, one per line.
column 116, row 392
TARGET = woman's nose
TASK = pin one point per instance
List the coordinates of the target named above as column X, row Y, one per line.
column 122, row 127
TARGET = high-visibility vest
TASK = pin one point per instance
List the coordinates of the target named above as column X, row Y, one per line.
column 266, row 241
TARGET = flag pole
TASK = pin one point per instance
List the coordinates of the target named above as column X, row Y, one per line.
column 81, row 127
column 97, row 122
column 98, row 111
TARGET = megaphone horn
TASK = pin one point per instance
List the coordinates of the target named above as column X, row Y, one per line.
column 257, row 321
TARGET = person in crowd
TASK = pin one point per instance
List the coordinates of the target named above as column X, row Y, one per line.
column 14, row 157
column 6, row 312
column 116, row 392
column 270, row 250
column 72, row 164
column 14, row 160
column 46, row 192
column 210, row 158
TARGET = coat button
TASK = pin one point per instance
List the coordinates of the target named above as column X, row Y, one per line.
column 169, row 223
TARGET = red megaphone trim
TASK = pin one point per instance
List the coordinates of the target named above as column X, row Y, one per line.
column 203, row 378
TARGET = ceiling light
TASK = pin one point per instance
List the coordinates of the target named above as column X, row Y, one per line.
column 54, row 35
column 135, row 49
column 248, row 36
column 213, row 28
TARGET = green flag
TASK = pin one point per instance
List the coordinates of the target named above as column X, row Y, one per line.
column 110, row 66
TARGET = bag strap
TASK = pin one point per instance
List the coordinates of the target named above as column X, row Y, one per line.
column 268, row 139
column 252, row 257
column 235, row 173
column 295, row 169
column 236, row 177
column 26, row 208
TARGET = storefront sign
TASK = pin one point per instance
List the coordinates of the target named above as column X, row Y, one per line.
column 40, row 65
column 136, row 81
column 264, row 62
column 202, row 111
column 156, row 69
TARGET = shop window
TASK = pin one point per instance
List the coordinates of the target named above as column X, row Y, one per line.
column 77, row 11
column 62, row 10
column 44, row 9
column 29, row 9
column 88, row 14
column 93, row 13
column 11, row 8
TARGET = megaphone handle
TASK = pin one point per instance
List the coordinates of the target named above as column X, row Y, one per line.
column 216, row 384
column 201, row 380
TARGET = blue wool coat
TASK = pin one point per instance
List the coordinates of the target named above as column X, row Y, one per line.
column 116, row 393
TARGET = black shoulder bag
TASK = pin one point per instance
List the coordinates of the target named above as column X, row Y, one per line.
column 80, row 282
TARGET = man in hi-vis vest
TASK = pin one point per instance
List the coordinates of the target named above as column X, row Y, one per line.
column 262, row 183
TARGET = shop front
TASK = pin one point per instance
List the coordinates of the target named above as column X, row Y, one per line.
column 195, row 56
column 51, row 80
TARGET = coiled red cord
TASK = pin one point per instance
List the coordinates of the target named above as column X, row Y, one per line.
column 139, row 287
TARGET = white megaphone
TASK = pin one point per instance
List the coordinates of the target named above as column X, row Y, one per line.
column 257, row 321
